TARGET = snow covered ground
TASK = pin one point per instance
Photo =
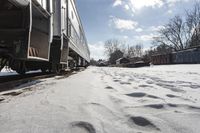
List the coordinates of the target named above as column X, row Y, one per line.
column 107, row 100
column 7, row 71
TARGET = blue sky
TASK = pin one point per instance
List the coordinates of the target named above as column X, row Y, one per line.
column 133, row 21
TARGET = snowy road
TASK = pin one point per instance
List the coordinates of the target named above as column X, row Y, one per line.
column 107, row 100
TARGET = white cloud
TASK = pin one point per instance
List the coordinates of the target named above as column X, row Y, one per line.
column 117, row 3
column 127, row 7
column 144, row 38
column 125, row 37
column 169, row 11
column 97, row 50
column 155, row 28
column 123, row 24
column 147, row 37
column 172, row 3
column 139, row 4
column 139, row 30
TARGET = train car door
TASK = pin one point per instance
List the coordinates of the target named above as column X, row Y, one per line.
column 41, row 30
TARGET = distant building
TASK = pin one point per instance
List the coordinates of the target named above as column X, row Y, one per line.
column 122, row 60
column 115, row 56
column 141, row 64
column 102, row 63
column 135, row 59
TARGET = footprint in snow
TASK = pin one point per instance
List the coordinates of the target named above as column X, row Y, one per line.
column 109, row 88
column 143, row 122
column 170, row 87
column 172, row 105
column 141, row 94
column 184, row 106
column 116, row 80
column 145, row 86
column 171, row 96
column 131, row 80
column 155, row 106
column 152, row 96
column 149, row 82
column 195, row 86
column 193, row 107
column 138, row 94
column 82, row 127
column 125, row 83
column 162, row 106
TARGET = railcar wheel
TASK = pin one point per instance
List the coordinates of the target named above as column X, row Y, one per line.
column 56, row 69
column 21, row 67
column 2, row 63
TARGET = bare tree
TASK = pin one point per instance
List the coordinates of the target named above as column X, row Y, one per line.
column 111, row 46
column 114, row 49
column 139, row 49
column 179, row 34
column 131, row 51
column 174, row 34
column 135, row 50
column 193, row 24
column 124, row 47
